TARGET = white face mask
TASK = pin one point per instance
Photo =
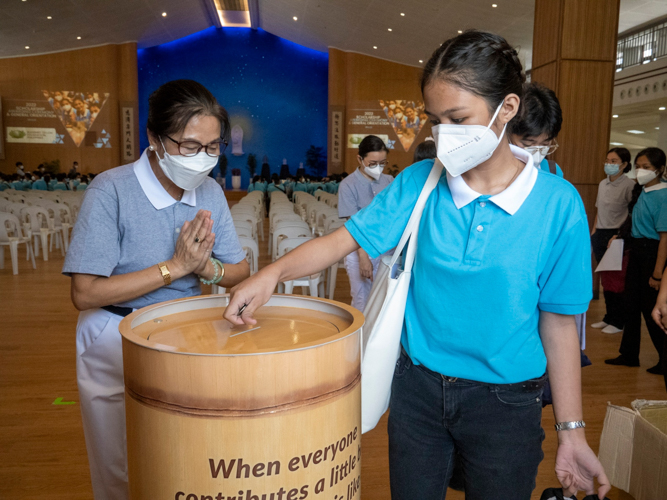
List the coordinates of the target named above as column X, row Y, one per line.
column 645, row 176
column 392, row 106
column 59, row 98
column 187, row 172
column 398, row 115
column 67, row 107
column 463, row 147
column 537, row 157
column 375, row 172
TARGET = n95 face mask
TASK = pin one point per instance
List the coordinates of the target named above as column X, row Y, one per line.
column 187, row 172
column 463, row 147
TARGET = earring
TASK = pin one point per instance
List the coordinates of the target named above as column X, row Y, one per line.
column 151, row 148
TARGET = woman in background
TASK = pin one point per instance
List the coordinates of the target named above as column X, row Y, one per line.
column 356, row 192
column 648, row 255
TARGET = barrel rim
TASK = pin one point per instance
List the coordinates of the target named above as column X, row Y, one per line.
column 132, row 320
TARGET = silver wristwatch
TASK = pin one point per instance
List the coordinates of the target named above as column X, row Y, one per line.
column 568, row 426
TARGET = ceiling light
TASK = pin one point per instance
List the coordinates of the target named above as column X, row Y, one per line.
column 295, row 18
column 460, row 31
column 403, row 14
column 635, row 131
column 389, row 29
column 616, row 143
column 421, row 61
column 49, row 17
column 494, row 5
column 375, row 47
column 614, row 116
column 661, row 108
column 78, row 38
column 657, row 128
column 27, row 46
column 164, row 14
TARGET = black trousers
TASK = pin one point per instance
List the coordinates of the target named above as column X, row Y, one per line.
column 640, row 299
column 614, row 302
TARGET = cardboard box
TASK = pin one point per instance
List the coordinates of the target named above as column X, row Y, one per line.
column 633, row 448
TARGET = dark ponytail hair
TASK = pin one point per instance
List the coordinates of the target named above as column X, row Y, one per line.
column 175, row 103
column 370, row 144
column 625, row 157
column 478, row 62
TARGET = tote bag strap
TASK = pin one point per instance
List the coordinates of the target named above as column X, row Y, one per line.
column 413, row 223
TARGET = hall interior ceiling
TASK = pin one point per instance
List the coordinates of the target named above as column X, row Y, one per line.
column 352, row 25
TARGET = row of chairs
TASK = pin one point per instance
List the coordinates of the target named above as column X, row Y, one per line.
column 37, row 219
column 291, row 225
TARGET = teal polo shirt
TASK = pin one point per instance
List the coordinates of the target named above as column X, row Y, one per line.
column 485, row 267
column 649, row 217
column 544, row 165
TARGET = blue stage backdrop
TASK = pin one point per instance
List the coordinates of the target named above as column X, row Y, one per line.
column 275, row 90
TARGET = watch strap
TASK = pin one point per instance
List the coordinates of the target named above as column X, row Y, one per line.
column 569, row 426
column 164, row 271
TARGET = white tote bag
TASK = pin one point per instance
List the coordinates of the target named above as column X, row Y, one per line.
column 385, row 309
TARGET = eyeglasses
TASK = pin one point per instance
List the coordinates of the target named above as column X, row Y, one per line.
column 192, row 148
column 374, row 164
column 543, row 150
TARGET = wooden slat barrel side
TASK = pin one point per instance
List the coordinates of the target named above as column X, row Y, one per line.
column 241, row 383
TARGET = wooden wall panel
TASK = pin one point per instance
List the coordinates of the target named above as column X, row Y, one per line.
column 588, row 193
column 366, row 79
column 546, row 75
column 110, row 68
column 588, row 28
column 586, row 87
column 547, row 26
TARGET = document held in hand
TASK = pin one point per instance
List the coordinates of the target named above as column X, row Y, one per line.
column 612, row 260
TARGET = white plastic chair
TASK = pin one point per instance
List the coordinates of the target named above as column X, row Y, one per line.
column 332, row 270
column 313, row 282
column 287, row 232
column 13, row 241
column 41, row 227
column 252, row 253
column 243, row 228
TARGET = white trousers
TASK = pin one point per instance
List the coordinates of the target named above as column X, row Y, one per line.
column 360, row 287
column 99, row 373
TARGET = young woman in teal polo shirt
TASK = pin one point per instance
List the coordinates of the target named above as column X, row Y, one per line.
column 502, row 267
column 648, row 255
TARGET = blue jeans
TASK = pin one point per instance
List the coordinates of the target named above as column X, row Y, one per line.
column 495, row 429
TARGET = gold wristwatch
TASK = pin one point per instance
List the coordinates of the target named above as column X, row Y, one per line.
column 164, row 270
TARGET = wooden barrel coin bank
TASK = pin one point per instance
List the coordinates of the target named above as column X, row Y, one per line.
column 268, row 412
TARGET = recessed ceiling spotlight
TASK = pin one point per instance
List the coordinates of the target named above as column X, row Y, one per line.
column 164, row 14
column 614, row 116
column 389, row 29
column 295, row 18
column 616, row 143
column 27, row 46
column 49, row 17
column 375, row 47
column 78, row 38
column 661, row 108
column 421, row 61
column 657, row 128
column 494, row 5
column 635, row 131
column 403, row 14
column 460, row 31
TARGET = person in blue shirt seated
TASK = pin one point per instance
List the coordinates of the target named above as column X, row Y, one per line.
column 83, row 184
column 538, row 125
column 648, row 255
column 3, row 183
column 501, row 268
column 254, row 184
column 49, row 182
column 60, row 184
column 275, row 185
column 39, row 184
column 16, row 183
